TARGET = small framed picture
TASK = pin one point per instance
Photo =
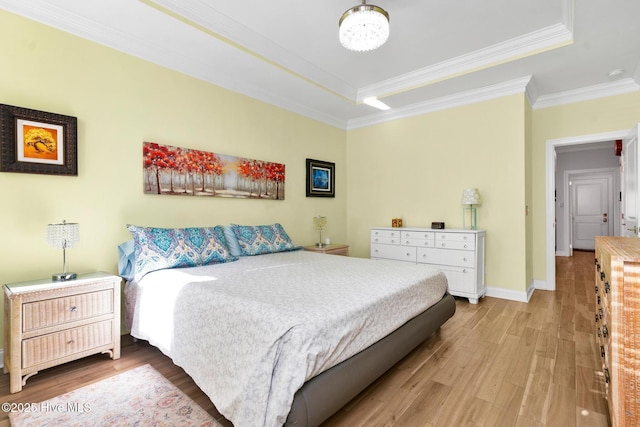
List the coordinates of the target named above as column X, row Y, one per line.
column 320, row 178
column 34, row 141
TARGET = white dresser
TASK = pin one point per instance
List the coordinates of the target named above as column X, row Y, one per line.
column 458, row 253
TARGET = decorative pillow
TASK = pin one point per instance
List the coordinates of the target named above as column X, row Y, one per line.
column 262, row 239
column 159, row 248
column 126, row 259
column 232, row 241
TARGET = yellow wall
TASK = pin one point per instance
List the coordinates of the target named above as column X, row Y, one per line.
column 121, row 101
column 416, row 168
column 614, row 113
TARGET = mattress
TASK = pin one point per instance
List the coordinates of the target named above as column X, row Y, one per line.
column 252, row 332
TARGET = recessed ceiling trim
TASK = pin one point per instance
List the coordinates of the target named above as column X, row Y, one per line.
column 547, row 38
column 202, row 16
column 618, row 87
column 456, row 100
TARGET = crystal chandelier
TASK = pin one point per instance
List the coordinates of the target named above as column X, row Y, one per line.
column 364, row 27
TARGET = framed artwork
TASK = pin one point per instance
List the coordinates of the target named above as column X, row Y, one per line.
column 37, row 142
column 321, row 178
column 188, row 172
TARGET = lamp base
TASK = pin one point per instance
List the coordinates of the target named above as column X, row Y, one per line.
column 63, row 277
column 320, row 245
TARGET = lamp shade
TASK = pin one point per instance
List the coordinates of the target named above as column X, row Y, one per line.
column 364, row 27
column 64, row 235
column 471, row 196
column 319, row 222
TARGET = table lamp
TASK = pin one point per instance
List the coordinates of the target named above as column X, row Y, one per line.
column 63, row 236
column 470, row 197
column 319, row 223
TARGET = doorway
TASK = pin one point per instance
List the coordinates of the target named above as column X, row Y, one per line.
column 551, row 194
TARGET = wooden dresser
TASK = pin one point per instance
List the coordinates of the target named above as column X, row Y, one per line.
column 48, row 323
column 618, row 325
column 330, row 249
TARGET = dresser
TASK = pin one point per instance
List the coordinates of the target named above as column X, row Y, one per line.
column 48, row 323
column 458, row 253
column 617, row 321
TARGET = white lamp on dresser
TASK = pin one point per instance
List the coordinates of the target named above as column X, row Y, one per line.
column 470, row 197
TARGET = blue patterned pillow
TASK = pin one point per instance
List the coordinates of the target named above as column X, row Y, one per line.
column 263, row 239
column 159, row 248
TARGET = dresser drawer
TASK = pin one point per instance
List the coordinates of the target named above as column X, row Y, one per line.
column 385, row 236
column 451, row 257
column 464, row 241
column 419, row 243
column 423, row 235
column 50, row 347
column 399, row 253
column 461, row 281
column 57, row 311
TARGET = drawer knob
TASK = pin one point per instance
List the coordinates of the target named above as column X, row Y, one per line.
column 393, row 241
column 598, row 299
column 605, row 331
column 408, row 254
column 606, row 287
column 464, row 270
column 597, row 318
column 73, row 308
column 465, row 246
column 602, row 351
column 442, row 245
column 596, row 289
column 464, row 259
column 602, row 275
column 600, row 313
column 71, row 342
column 607, row 378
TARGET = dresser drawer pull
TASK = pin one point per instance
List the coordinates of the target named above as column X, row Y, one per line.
column 73, row 309
column 599, row 332
column 408, row 254
column 464, row 270
column 602, row 275
column 443, row 245
column 71, row 342
column 605, row 331
column 406, row 243
column 466, row 246
column 601, row 351
column 606, row 287
column 464, row 259
column 596, row 289
column 393, row 241
column 606, row 375
column 598, row 299
column 600, row 313
column 597, row 318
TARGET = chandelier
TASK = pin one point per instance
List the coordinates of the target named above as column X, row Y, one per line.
column 364, row 27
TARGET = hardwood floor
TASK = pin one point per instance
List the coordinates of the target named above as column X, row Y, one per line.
column 497, row 363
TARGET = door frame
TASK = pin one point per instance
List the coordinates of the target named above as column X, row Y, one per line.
column 614, row 214
column 550, row 169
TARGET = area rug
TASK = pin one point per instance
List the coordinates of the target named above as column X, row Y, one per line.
column 138, row 397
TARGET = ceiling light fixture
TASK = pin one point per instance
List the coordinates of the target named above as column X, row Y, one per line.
column 364, row 27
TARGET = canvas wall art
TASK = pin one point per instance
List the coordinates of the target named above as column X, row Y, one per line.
column 188, row 172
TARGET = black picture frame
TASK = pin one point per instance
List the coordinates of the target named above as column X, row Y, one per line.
column 321, row 178
column 33, row 141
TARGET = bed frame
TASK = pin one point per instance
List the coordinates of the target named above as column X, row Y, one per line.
column 326, row 393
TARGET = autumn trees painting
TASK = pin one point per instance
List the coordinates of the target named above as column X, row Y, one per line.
column 182, row 171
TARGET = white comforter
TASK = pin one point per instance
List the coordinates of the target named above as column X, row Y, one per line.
column 251, row 332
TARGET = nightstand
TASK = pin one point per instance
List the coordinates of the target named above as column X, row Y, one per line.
column 329, row 249
column 48, row 323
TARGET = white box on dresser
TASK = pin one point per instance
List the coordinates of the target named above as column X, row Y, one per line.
column 458, row 253
column 48, row 323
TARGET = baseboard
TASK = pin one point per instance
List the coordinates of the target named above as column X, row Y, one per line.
column 509, row 294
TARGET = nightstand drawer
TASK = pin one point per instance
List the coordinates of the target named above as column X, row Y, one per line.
column 57, row 311
column 50, row 347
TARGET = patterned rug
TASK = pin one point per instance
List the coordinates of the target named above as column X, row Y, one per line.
column 139, row 397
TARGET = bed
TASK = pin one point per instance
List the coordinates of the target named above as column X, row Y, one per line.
column 282, row 337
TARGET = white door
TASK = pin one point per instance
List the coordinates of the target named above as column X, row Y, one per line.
column 591, row 204
column 629, row 215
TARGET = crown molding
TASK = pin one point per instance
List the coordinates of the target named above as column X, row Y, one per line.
column 547, row 38
column 587, row 93
column 499, row 90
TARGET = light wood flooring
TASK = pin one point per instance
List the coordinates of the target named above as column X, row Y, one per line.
column 497, row 363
